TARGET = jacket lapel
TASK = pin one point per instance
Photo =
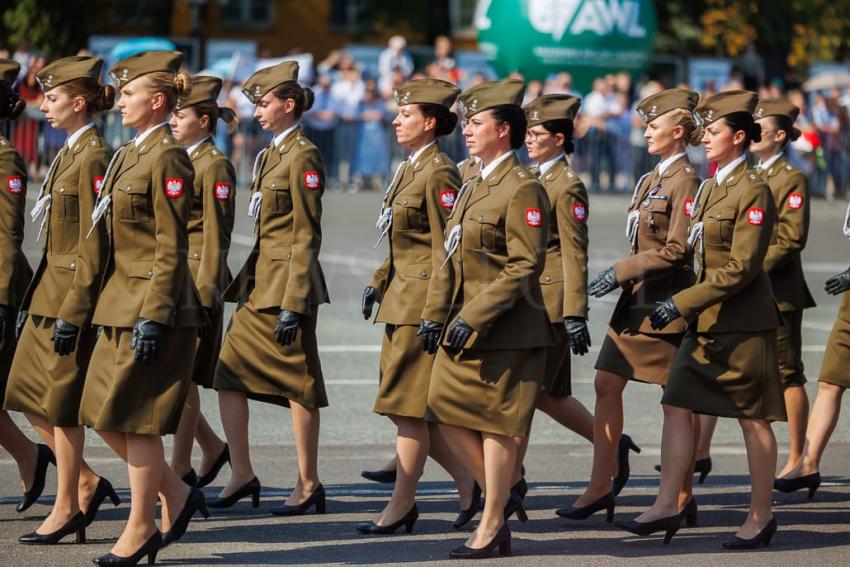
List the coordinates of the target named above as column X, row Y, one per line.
column 495, row 177
column 720, row 192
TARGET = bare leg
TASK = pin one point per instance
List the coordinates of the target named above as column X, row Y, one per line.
column 797, row 407
column 822, row 422
column 445, row 457
column 707, row 425
column 20, row 447
column 761, row 457
column 412, row 444
column 499, row 458
column 181, row 452
column 687, row 490
column 607, row 428
column 305, row 427
column 69, row 456
column 467, row 447
column 233, row 406
column 569, row 412
column 210, row 443
column 145, row 464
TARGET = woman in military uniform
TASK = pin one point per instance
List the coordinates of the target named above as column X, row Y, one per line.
column 15, row 273
column 46, row 379
column 148, row 307
column 657, row 267
column 486, row 375
column 270, row 352
column 726, row 365
column 193, row 124
column 414, row 293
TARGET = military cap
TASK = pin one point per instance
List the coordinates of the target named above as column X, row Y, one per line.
column 204, row 88
column 68, row 69
column 145, row 63
column 657, row 104
column 723, row 104
column 551, row 107
column 776, row 107
column 426, row 91
column 9, row 70
column 487, row 95
column 268, row 78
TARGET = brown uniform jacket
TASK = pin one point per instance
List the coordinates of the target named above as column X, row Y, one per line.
column 497, row 267
column 67, row 281
column 732, row 293
column 15, row 272
column 782, row 262
column 564, row 277
column 410, row 283
column 285, row 258
column 660, row 263
column 147, row 274
column 211, row 222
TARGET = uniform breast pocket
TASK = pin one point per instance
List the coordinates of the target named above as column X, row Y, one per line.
column 657, row 216
column 132, row 200
column 407, row 211
column 277, row 197
column 67, row 203
column 492, row 236
column 719, row 226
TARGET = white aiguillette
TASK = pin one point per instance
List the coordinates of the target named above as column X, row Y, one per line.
column 254, row 206
column 452, row 243
column 632, row 227
column 846, row 227
column 383, row 224
column 99, row 210
column 695, row 235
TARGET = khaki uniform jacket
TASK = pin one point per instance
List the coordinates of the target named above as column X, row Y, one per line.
column 732, row 293
column 497, row 267
column 15, row 272
column 68, row 279
column 211, row 222
column 410, row 283
column 285, row 258
column 782, row 263
column 147, row 274
column 660, row 263
column 564, row 277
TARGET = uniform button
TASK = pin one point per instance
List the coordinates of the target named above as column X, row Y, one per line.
column 73, row 264
column 481, row 218
column 196, row 255
column 150, row 274
column 273, row 185
column 128, row 189
column 423, row 274
column 62, row 190
column 548, row 279
column 404, row 202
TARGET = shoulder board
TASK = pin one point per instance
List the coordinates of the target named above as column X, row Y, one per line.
column 438, row 159
column 166, row 139
column 789, row 167
column 520, row 171
column 688, row 169
column 753, row 176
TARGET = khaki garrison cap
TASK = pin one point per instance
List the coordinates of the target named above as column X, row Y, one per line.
column 145, row 63
column 268, row 78
column 9, row 70
column 68, row 69
column 487, row 95
column 204, row 88
column 551, row 107
column 426, row 91
column 657, row 104
column 776, row 107
column 723, row 104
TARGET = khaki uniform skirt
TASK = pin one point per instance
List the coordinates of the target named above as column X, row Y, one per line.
column 43, row 383
column 207, row 352
column 557, row 380
column 123, row 396
column 405, row 373
column 638, row 356
column 727, row 375
column 253, row 362
column 835, row 368
column 492, row 391
column 789, row 344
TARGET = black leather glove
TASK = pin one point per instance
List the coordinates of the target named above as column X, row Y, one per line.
column 577, row 334
column 370, row 295
column 664, row 314
column 839, row 283
column 7, row 316
column 459, row 333
column 429, row 332
column 604, row 282
column 147, row 335
column 64, row 337
column 205, row 330
column 287, row 327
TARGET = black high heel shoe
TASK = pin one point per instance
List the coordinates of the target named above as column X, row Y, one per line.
column 521, row 488
column 190, row 478
column 77, row 525
column 502, row 540
column 195, row 502
column 149, row 548
column 103, row 491
column 466, row 516
column 701, row 467
column 690, row 513
column 763, row 538
column 317, row 498
column 250, row 488
column 514, row 506
column 810, row 481
column 45, row 456
column 207, row 478
column 606, row 503
column 371, row 528
column 382, row 476
column 669, row 525
column 625, row 445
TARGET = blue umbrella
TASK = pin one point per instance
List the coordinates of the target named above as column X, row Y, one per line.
column 135, row 45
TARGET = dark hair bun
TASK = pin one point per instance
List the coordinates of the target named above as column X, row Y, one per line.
column 795, row 134
column 105, row 98
column 755, row 132
column 309, row 99
column 17, row 107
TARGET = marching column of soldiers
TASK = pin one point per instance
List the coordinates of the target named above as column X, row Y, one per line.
column 483, row 294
